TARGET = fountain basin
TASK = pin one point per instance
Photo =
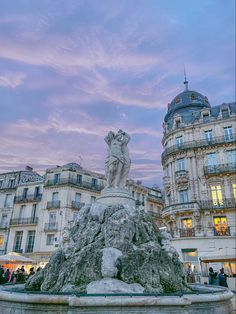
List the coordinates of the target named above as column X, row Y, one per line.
column 204, row 300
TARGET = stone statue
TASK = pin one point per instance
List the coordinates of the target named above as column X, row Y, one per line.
column 117, row 163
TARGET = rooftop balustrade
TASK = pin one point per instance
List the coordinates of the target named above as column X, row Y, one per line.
column 198, row 144
column 73, row 181
column 24, row 221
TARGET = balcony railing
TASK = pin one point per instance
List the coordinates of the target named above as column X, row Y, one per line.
column 77, row 205
column 28, row 198
column 188, row 232
column 225, row 203
column 73, row 181
column 53, row 204
column 139, row 203
column 223, row 231
column 220, row 169
column 24, row 221
column 198, row 144
column 3, row 225
column 154, row 214
column 51, row 226
column 181, row 173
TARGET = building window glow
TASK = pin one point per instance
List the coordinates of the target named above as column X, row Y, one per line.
column 221, row 225
column 216, row 194
column 234, row 190
column 187, row 223
column 1, row 241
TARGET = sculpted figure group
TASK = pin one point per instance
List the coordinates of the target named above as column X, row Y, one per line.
column 117, row 163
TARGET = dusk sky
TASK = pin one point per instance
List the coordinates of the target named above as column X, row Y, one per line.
column 71, row 70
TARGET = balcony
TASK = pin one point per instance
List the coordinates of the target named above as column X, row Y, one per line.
column 215, row 141
column 77, row 205
column 27, row 199
column 154, row 214
column 181, row 174
column 73, row 181
column 139, row 203
column 51, row 227
column 225, row 204
column 24, row 221
column 53, row 204
column 3, row 225
column 219, row 169
column 223, row 231
column 186, row 233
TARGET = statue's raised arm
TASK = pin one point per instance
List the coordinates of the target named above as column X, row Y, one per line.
column 117, row 163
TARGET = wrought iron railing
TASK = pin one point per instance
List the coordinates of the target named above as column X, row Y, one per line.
column 77, row 205
column 225, row 203
column 73, row 181
column 181, row 173
column 219, row 169
column 24, row 221
column 51, row 226
column 53, row 204
column 28, row 198
column 154, row 214
column 223, row 231
column 197, row 144
column 187, row 232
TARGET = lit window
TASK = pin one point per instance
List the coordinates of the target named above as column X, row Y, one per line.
column 187, row 223
column 1, row 241
column 221, row 225
column 228, row 133
column 208, row 135
column 216, row 194
column 234, row 190
column 180, row 163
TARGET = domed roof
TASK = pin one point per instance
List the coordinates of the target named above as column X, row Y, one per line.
column 187, row 100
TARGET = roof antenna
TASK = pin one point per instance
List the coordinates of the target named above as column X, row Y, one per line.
column 185, row 79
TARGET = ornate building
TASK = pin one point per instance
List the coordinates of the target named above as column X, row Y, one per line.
column 36, row 211
column 199, row 163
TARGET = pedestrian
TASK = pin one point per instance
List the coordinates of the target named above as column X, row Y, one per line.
column 31, row 271
column 1, row 274
column 222, row 277
column 213, row 278
column 14, row 277
column 7, row 275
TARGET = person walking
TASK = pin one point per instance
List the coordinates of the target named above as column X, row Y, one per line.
column 7, row 275
column 222, row 277
column 213, row 278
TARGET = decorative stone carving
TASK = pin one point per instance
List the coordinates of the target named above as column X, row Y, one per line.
column 27, row 177
column 117, row 163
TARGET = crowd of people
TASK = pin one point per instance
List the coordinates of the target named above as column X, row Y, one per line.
column 217, row 279
column 18, row 276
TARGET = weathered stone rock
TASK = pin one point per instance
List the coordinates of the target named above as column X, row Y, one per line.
column 116, row 242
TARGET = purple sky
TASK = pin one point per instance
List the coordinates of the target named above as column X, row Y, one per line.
column 72, row 70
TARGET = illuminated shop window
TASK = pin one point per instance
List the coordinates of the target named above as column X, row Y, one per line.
column 216, row 194
column 221, row 225
column 1, row 241
column 234, row 190
column 187, row 223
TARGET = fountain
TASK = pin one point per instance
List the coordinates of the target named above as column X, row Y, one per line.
column 114, row 259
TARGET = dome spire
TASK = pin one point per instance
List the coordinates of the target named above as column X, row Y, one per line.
column 185, row 79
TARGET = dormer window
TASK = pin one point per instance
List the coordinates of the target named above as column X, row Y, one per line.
column 193, row 97
column 178, row 100
column 206, row 117
column 177, row 124
column 225, row 113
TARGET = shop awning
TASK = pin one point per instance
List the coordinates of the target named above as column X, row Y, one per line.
column 14, row 257
column 218, row 259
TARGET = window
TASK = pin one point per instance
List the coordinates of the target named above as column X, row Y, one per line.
column 12, row 183
column 75, row 215
column 1, row 241
column 55, row 196
column 179, row 141
column 206, row 117
column 168, row 170
column 177, row 124
column 94, row 182
column 216, row 194
column 57, row 178
column 7, row 203
column 30, row 242
column 22, row 211
column 190, row 257
column 25, row 192
column 77, row 198
column 211, row 159
column 183, row 196
column 93, row 199
column 234, row 190
column 221, row 225
column 52, row 218
column 33, row 213
column 79, row 179
column 187, row 223
column 208, row 135
column 50, row 239
column 180, row 164
column 225, row 113
column 228, row 133
column 231, row 156
column 36, row 191
column 4, row 221
column 1, row 184
column 17, row 241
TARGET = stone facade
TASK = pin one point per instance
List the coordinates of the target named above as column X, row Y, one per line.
column 199, row 163
column 37, row 223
